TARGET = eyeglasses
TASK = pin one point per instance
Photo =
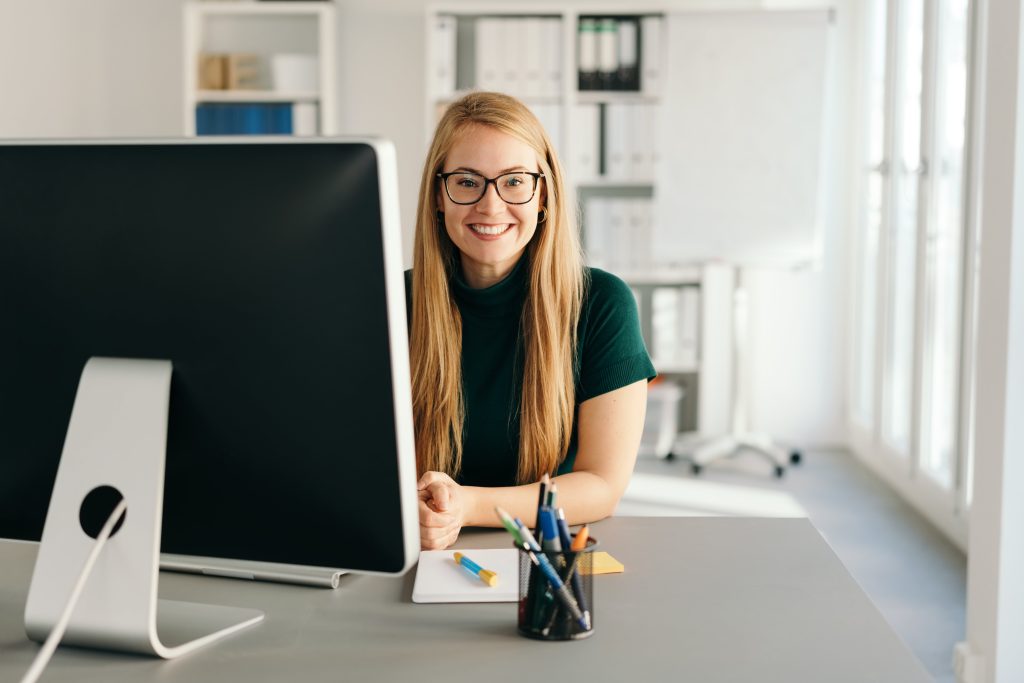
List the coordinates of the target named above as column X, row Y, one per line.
column 464, row 187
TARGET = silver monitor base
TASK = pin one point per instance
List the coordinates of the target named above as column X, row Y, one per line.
column 117, row 437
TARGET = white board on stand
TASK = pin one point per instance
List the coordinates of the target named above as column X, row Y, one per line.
column 742, row 127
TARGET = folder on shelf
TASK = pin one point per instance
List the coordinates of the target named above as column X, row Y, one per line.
column 652, row 52
column 304, row 119
column 628, row 77
column 587, row 53
column 533, row 76
column 551, row 42
column 595, row 231
column 585, row 131
column 617, row 141
column 488, row 53
column 510, row 63
column 607, row 53
column 445, row 35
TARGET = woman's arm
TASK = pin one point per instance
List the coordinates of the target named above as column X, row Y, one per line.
column 609, row 430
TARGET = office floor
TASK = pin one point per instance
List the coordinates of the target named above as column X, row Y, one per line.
column 915, row 577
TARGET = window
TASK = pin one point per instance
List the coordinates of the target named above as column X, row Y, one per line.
column 909, row 272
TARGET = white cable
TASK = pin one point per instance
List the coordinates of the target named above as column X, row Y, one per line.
column 52, row 640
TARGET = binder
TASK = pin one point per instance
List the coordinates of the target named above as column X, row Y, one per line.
column 445, row 41
column 595, row 231
column 512, row 36
column 533, row 76
column 304, row 119
column 551, row 43
column 642, row 142
column 628, row 77
column 584, row 129
column 607, row 53
column 638, row 216
column 652, row 54
column 550, row 116
column 587, row 56
column 488, row 52
column 617, row 141
column 616, row 238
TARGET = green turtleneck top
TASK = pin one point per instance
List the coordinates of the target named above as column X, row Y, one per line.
column 610, row 354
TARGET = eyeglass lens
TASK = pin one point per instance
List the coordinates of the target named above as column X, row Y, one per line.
column 469, row 188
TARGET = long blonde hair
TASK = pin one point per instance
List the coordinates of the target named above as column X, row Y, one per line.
column 549, row 318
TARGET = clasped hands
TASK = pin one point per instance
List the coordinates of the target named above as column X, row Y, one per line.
column 443, row 508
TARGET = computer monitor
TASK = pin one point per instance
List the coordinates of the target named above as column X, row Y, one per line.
column 269, row 273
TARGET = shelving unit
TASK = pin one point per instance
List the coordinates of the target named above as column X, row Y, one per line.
column 263, row 29
column 578, row 123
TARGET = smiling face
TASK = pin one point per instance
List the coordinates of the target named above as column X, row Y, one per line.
column 490, row 234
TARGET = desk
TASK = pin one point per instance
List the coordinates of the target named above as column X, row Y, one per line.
column 702, row 600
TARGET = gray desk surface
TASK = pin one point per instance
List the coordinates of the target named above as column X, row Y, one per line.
column 702, row 600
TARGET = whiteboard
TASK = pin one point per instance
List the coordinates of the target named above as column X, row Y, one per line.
column 738, row 178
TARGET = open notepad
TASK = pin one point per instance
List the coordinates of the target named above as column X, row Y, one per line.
column 440, row 579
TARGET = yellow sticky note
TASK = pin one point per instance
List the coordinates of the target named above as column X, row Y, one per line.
column 603, row 563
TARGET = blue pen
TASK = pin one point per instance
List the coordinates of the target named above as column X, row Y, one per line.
column 540, row 559
column 561, row 591
column 549, row 526
column 577, row 584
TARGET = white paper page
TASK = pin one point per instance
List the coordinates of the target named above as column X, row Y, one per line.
column 440, row 579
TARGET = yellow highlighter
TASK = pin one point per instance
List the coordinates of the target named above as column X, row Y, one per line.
column 485, row 575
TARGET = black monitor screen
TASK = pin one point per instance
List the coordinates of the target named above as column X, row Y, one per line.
column 258, row 269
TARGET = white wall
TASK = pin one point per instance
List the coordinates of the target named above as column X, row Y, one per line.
column 98, row 68
column 76, row 68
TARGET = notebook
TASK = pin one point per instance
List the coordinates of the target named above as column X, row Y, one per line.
column 440, row 579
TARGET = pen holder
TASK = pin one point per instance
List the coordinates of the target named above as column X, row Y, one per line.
column 547, row 613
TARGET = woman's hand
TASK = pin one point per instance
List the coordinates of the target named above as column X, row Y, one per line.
column 443, row 507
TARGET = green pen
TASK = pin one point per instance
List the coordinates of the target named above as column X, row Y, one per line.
column 510, row 525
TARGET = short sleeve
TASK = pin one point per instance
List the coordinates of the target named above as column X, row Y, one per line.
column 611, row 352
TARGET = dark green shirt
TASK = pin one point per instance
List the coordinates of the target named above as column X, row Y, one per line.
column 610, row 355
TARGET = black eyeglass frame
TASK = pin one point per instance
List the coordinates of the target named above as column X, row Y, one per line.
column 488, row 181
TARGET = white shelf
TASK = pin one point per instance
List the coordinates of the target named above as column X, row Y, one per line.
column 527, row 99
column 669, row 277
column 255, row 96
column 611, row 183
column 253, row 27
column 614, row 97
column 251, row 8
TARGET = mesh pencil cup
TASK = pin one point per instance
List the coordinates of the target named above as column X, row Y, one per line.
column 562, row 609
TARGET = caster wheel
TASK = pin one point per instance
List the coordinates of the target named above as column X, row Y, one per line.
column 796, row 457
column 779, row 471
column 670, row 456
column 696, row 468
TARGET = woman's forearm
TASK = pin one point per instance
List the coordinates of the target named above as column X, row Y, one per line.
column 585, row 497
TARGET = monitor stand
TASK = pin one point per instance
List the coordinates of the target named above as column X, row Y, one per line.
column 117, row 439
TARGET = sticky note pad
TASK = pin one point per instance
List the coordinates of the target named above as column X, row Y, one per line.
column 603, row 563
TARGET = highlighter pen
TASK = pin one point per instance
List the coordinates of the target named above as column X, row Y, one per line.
column 485, row 575
column 580, row 542
column 563, row 594
column 509, row 525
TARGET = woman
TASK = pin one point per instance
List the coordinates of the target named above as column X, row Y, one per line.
column 523, row 361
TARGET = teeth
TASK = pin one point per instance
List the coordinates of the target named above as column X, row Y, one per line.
column 489, row 229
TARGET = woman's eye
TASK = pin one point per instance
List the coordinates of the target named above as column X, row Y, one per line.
column 513, row 181
column 467, row 182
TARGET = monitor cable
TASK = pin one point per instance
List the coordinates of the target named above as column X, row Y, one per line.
column 52, row 640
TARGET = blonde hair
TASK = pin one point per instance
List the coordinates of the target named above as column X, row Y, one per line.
column 549, row 318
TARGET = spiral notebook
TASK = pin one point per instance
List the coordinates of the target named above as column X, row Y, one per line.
column 440, row 579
